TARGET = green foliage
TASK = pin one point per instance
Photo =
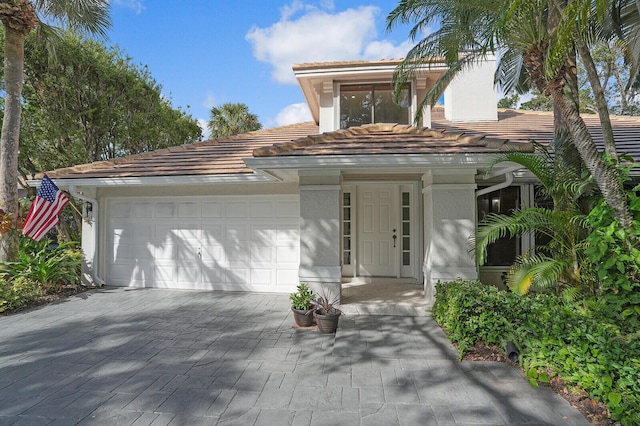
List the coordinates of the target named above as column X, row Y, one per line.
column 575, row 341
column 50, row 267
column 538, row 102
column 18, row 292
column 232, row 119
column 559, row 264
column 303, row 298
column 509, row 102
column 614, row 253
column 91, row 103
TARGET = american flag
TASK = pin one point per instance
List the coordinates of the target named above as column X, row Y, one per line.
column 44, row 211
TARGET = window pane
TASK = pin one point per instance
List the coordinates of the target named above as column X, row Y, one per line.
column 346, row 199
column 504, row 251
column 346, row 212
column 406, row 258
column 347, row 258
column 406, row 243
column 355, row 106
column 372, row 103
column 347, row 228
column 347, row 243
column 387, row 111
column 405, row 213
column 405, row 229
column 405, row 198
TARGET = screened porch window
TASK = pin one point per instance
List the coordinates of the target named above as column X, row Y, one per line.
column 504, row 251
column 372, row 103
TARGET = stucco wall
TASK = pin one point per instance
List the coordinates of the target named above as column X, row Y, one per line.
column 449, row 208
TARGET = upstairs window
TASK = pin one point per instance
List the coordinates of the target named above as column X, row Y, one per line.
column 372, row 103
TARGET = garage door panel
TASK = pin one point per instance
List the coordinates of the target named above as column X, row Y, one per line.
column 165, row 252
column 222, row 243
column 213, row 234
column 214, row 209
column 214, row 275
column 213, row 254
column 262, row 254
column 237, row 232
column 262, row 209
column 261, row 277
column 165, row 274
column 237, row 255
column 238, row 277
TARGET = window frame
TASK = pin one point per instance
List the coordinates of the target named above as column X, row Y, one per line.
column 410, row 109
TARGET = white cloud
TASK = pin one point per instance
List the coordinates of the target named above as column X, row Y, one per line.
column 210, row 101
column 294, row 113
column 136, row 5
column 308, row 33
column 386, row 50
column 205, row 129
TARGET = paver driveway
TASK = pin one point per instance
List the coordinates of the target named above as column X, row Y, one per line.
column 157, row 357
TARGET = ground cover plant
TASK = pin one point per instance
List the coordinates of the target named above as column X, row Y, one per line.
column 42, row 271
column 575, row 341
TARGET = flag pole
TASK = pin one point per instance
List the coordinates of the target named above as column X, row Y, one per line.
column 80, row 213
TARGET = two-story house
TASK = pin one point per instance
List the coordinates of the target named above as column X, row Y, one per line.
column 359, row 193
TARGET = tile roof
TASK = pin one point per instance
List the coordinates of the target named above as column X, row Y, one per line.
column 213, row 157
column 225, row 156
column 384, row 138
column 536, row 125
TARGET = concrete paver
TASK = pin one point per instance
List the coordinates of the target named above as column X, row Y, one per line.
column 118, row 356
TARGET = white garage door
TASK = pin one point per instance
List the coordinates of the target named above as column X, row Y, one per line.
column 218, row 243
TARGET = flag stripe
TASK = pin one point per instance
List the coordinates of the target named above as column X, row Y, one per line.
column 44, row 211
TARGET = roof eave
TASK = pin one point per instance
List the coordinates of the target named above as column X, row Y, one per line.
column 461, row 160
column 255, row 177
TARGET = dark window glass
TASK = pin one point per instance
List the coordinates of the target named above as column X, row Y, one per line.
column 504, row 251
column 372, row 103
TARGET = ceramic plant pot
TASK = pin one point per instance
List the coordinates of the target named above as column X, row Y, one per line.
column 327, row 324
column 302, row 318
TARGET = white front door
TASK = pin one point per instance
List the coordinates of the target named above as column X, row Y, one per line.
column 378, row 230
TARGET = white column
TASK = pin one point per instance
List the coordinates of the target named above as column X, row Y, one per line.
column 449, row 215
column 320, row 232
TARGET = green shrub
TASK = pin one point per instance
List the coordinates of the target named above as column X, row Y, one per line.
column 17, row 293
column 614, row 253
column 577, row 341
column 50, row 266
column 303, row 298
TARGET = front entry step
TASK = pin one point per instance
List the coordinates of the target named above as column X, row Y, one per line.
column 384, row 296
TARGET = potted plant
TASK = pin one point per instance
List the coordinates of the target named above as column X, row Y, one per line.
column 302, row 305
column 326, row 314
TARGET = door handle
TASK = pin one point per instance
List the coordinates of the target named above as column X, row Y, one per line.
column 395, row 237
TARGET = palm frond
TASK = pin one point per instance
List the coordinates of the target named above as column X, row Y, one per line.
column 82, row 16
column 537, row 271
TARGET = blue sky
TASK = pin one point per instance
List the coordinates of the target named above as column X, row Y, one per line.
column 208, row 52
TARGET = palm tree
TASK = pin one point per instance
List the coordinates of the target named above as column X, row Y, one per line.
column 559, row 262
column 535, row 35
column 20, row 19
column 232, row 119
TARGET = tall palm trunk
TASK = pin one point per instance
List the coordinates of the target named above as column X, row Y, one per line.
column 605, row 176
column 13, row 73
column 601, row 101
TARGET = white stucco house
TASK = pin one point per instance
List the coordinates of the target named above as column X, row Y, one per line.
column 357, row 193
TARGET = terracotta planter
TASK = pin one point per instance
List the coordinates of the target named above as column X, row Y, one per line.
column 327, row 324
column 302, row 318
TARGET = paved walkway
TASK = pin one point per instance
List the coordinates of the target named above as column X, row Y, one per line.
column 158, row 357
